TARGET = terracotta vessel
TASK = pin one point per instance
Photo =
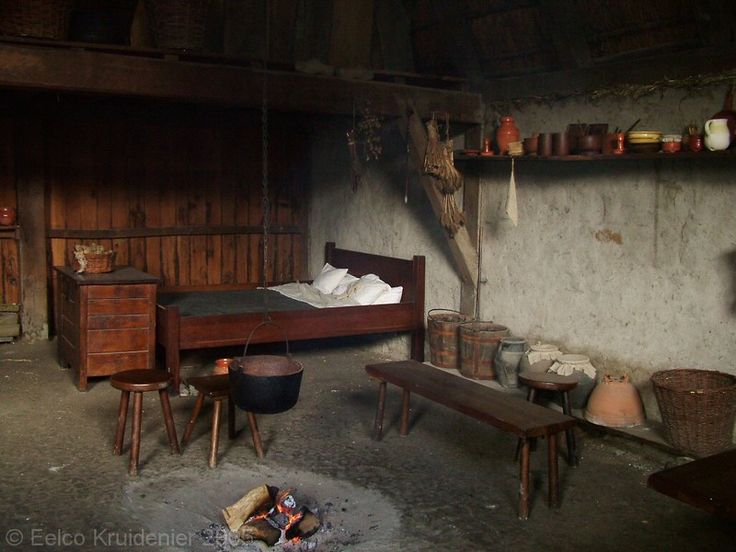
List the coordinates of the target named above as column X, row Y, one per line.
column 222, row 366
column 506, row 133
column 7, row 216
column 615, row 402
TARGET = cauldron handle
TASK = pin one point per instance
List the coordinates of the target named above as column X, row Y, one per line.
column 265, row 322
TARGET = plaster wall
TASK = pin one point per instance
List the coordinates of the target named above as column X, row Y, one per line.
column 631, row 262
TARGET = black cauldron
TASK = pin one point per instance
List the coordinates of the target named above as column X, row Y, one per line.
column 265, row 384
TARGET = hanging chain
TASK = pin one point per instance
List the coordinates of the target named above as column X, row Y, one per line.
column 265, row 201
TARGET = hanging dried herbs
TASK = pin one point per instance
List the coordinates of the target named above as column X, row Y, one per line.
column 439, row 164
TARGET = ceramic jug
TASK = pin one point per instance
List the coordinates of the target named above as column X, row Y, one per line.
column 717, row 136
column 506, row 133
column 508, row 356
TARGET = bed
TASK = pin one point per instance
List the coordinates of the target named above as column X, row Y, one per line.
column 201, row 319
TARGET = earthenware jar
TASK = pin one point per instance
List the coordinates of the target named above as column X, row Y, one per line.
column 717, row 135
column 615, row 402
column 508, row 357
column 537, row 353
column 506, row 133
column 578, row 366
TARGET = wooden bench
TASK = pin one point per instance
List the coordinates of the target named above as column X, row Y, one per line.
column 707, row 483
column 511, row 414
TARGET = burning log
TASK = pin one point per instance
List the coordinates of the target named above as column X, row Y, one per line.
column 270, row 515
column 254, row 501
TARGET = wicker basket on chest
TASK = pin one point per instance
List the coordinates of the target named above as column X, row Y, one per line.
column 93, row 259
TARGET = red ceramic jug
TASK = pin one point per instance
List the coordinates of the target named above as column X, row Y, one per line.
column 506, row 133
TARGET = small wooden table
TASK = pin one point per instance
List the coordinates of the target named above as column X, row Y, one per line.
column 501, row 410
column 707, row 483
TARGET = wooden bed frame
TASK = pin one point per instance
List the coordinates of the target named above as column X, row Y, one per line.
column 175, row 333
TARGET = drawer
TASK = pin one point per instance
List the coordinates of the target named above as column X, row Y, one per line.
column 121, row 291
column 118, row 321
column 119, row 306
column 104, row 364
column 108, row 341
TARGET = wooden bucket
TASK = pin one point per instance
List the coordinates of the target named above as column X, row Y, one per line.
column 478, row 345
column 443, row 329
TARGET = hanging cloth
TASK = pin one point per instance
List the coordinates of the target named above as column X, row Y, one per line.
column 439, row 164
column 511, row 207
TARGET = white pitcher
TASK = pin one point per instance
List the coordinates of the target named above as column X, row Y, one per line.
column 717, row 135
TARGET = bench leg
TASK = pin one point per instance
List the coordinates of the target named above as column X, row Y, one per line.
column 552, row 475
column 405, row 412
column 532, row 398
column 190, row 425
column 572, row 457
column 524, row 480
column 215, row 437
column 378, row 422
column 122, row 417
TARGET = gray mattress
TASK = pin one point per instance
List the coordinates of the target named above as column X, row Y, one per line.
column 204, row 303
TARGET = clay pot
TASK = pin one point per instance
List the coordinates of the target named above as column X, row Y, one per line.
column 7, row 216
column 615, row 402
column 221, row 366
column 506, row 133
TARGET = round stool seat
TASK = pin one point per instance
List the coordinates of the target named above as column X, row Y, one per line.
column 140, row 381
column 549, row 381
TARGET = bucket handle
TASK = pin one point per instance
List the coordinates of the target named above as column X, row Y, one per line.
column 264, row 323
column 446, row 310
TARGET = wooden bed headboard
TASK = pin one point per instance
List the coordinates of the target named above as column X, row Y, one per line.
column 408, row 273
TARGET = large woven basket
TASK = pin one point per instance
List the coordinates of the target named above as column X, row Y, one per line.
column 698, row 408
column 179, row 24
column 35, row 18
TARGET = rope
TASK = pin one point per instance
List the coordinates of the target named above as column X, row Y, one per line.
column 265, row 201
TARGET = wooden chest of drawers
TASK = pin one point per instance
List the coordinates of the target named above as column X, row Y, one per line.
column 106, row 323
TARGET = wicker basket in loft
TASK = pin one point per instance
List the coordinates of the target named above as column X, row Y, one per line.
column 35, row 18
column 178, row 24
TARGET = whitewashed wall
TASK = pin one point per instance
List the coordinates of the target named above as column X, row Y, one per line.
column 630, row 262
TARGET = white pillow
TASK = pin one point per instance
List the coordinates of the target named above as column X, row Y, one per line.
column 344, row 284
column 329, row 278
column 367, row 289
column 390, row 297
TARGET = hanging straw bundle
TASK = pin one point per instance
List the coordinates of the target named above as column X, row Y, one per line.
column 439, row 164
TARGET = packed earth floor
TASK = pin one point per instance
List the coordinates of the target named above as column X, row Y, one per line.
column 450, row 485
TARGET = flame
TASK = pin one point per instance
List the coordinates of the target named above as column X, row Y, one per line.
column 284, row 504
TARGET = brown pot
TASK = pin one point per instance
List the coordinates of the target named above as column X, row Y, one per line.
column 615, row 402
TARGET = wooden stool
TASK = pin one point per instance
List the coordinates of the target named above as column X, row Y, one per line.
column 139, row 382
column 549, row 381
column 217, row 388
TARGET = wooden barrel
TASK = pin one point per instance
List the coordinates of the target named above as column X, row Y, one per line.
column 478, row 344
column 443, row 329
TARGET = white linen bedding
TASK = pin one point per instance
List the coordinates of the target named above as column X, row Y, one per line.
column 312, row 296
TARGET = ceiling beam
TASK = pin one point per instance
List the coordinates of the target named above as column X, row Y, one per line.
column 64, row 69
column 643, row 71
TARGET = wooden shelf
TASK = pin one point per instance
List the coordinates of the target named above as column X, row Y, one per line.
column 728, row 154
column 10, row 232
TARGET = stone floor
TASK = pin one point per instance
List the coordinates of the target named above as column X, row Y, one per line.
column 450, row 485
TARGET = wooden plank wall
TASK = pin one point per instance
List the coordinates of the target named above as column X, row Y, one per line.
column 9, row 247
column 176, row 192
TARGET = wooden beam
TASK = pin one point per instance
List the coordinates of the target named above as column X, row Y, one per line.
column 471, row 208
column 642, row 71
column 461, row 244
column 30, row 182
column 95, row 72
column 121, row 233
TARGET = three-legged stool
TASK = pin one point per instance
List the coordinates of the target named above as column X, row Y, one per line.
column 139, row 382
column 549, row 381
column 217, row 388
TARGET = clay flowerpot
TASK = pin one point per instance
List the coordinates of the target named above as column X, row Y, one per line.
column 615, row 402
